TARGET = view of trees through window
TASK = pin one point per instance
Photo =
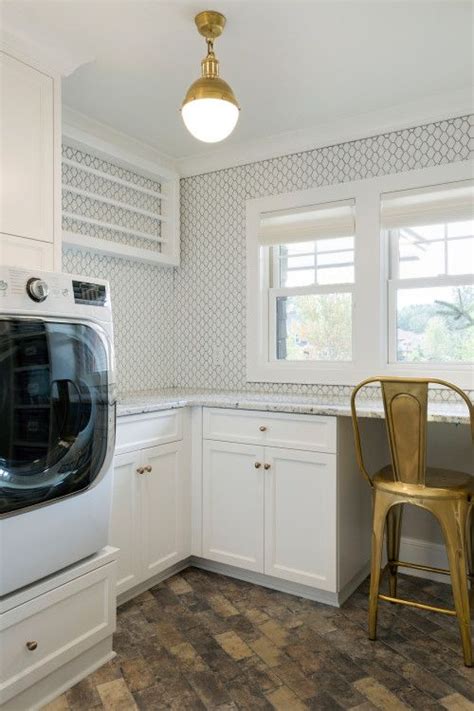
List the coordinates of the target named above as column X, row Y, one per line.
column 315, row 327
column 435, row 318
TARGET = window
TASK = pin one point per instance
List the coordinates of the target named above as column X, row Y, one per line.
column 431, row 287
column 370, row 277
column 311, row 260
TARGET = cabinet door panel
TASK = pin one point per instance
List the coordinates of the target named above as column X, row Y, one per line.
column 26, row 253
column 233, row 504
column 164, row 507
column 300, row 517
column 26, row 162
column 124, row 520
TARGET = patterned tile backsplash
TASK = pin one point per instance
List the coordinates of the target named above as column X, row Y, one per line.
column 186, row 326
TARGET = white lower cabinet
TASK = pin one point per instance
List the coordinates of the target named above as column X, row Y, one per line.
column 300, row 521
column 271, row 503
column 233, row 495
column 150, row 521
column 286, row 500
column 124, row 520
column 270, row 510
column 164, row 509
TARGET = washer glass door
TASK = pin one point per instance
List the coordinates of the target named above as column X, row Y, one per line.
column 54, row 410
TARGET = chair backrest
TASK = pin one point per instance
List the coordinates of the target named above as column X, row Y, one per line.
column 405, row 402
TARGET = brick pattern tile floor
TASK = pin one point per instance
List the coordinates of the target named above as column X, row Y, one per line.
column 204, row 641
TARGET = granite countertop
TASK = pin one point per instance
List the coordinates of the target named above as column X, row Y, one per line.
column 154, row 400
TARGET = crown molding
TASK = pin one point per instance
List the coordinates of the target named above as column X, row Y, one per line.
column 84, row 132
column 50, row 60
column 395, row 118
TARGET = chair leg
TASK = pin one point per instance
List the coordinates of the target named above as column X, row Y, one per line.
column 394, row 529
column 381, row 505
column 453, row 517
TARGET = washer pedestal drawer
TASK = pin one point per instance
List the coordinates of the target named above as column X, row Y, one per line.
column 48, row 630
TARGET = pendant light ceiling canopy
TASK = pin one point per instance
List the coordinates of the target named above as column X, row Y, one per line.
column 210, row 110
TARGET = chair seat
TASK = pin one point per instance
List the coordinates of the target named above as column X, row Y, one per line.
column 444, row 483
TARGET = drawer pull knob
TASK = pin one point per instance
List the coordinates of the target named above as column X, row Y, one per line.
column 32, row 645
column 262, row 428
column 266, row 466
column 257, row 465
column 140, row 470
column 148, row 469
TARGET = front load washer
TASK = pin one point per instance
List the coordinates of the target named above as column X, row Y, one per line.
column 57, row 422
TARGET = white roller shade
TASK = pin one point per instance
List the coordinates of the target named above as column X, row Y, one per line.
column 440, row 203
column 309, row 223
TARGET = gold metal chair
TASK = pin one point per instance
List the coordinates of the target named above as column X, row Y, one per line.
column 449, row 495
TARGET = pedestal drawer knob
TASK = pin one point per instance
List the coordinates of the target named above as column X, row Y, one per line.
column 31, row 645
column 262, row 428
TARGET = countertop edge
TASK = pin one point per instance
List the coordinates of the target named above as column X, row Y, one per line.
column 338, row 410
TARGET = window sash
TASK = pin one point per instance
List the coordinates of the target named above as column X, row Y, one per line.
column 394, row 247
column 275, row 293
column 396, row 285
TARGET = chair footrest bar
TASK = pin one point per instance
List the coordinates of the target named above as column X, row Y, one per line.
column 419, row 605
column 418, row 566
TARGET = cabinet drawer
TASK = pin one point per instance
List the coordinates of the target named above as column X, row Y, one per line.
column 63, row 623
column 148, row 430
column 310, row 432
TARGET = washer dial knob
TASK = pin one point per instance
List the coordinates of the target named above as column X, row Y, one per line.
column 37, row 289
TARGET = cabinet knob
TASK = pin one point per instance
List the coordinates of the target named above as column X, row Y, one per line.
column 32, row 645
column 140, row 470
column 257, row 465
column 148, row 468
column 266, row 466
column 262, row 428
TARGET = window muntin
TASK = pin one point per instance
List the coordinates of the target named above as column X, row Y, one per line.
column 433, row 250
column 324, row 261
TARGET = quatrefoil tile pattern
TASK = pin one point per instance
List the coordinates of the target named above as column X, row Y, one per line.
column 210, row 284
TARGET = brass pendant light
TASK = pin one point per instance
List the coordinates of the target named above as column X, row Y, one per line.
column 210, row 110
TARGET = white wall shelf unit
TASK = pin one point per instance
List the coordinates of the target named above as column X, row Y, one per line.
column 100, row 220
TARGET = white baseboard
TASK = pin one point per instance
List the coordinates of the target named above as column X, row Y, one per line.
column 413, row 550
column 151, row 582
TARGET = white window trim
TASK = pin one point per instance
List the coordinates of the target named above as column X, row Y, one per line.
column 370, row 341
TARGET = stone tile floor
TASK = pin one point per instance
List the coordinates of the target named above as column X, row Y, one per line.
column 204, row 641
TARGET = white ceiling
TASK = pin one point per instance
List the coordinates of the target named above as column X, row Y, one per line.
column 293, row 64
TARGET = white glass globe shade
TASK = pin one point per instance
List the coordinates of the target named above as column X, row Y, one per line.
column 210, row 120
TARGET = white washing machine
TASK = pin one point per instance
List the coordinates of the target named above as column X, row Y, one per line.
column 57, row 422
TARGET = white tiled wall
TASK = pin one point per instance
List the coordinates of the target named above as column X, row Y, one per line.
column 142, row 294
column 174, row 325
column 210, row 284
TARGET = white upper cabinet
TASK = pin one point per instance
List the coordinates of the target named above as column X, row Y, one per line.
column 27, row 165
